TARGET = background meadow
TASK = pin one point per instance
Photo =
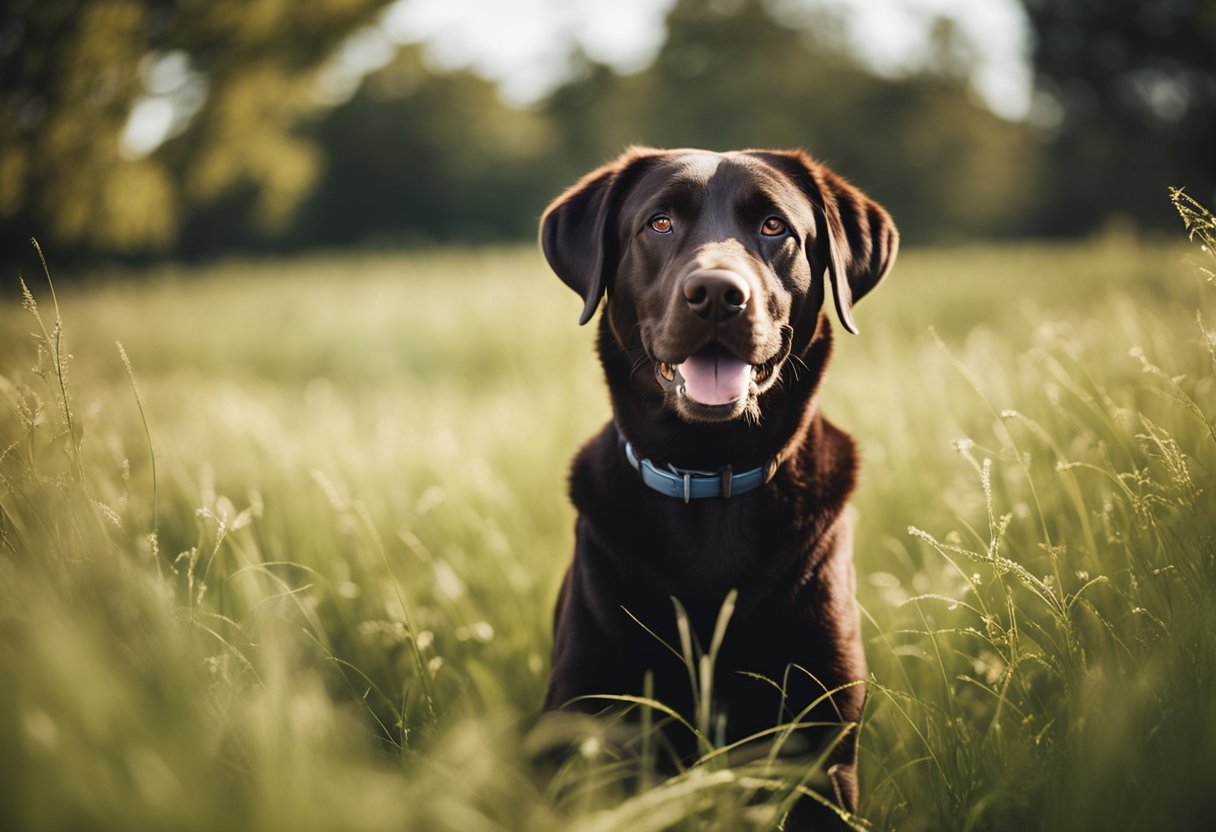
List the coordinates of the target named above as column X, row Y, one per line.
column 338, row 615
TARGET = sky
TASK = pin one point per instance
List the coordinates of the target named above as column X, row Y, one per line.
column 525, row 46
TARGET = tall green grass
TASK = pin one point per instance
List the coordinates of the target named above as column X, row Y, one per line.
column 288, row 557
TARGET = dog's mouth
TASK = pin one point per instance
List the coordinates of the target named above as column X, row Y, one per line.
column 713, row 384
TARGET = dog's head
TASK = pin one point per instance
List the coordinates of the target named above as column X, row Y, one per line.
column 714, row 265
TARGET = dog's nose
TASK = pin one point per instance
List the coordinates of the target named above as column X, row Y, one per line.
column 716, row 293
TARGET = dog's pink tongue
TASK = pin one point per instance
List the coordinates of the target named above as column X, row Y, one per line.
column 715, row 378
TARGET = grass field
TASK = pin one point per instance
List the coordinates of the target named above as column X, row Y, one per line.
column 316, row 592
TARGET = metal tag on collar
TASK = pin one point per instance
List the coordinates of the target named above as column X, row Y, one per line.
column 687, row 488
column 726, row 475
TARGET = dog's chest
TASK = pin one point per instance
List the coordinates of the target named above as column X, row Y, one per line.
column 708, row 549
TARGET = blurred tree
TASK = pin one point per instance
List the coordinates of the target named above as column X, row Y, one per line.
column 416, row 156
column 90, row 90
column 190, row 126
column 1126, row 100
column 419, row 157
column 730, row 76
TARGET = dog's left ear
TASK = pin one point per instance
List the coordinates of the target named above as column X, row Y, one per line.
column 578, row 231
column 855, row 233
column 862, row 239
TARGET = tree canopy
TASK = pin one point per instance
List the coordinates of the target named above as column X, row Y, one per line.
column 188, row 127
column 232, row 80
column 1126, row 105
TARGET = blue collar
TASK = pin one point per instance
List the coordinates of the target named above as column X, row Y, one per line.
column 689, row 485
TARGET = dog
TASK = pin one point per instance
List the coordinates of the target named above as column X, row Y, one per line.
column 718, row 471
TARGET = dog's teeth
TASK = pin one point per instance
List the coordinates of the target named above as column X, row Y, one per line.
column 666, row 371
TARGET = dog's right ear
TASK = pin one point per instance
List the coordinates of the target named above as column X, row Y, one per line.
column 578, row 231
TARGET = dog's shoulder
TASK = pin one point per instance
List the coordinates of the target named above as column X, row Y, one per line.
column 599, row 476
column 824, row 467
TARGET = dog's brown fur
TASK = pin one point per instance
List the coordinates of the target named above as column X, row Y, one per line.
column 785, row 547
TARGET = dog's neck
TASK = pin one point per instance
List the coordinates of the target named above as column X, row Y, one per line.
column 787, row 414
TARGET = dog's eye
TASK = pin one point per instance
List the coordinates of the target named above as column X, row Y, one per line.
column 661, row 223
column 773, row 227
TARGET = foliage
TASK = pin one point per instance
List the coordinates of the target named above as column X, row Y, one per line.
column 239, row 74
column 256, row 158
column 729, row 76
column 1125, row 91
column 423, row 157
column 331, row 607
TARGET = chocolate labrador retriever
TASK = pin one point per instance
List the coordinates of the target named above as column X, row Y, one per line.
column 718, row 471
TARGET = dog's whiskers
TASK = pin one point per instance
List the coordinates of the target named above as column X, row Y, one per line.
column 638, row 358
column 797, row 359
